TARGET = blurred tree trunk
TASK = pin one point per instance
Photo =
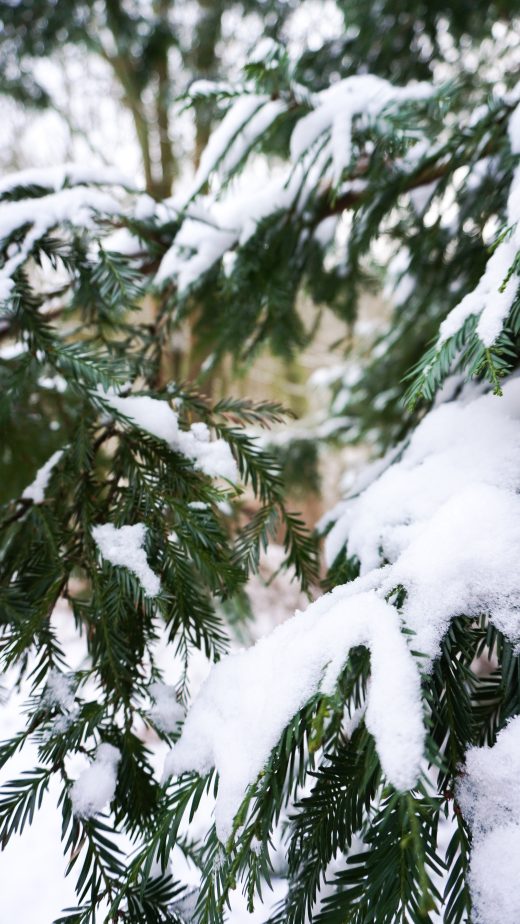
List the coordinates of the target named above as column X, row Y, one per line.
column 168, row 162
column 204, row 63
column 152, row 125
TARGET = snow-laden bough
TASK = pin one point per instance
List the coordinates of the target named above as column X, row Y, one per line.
column 442, row 522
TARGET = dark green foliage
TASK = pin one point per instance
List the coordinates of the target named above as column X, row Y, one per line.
column 54, row 396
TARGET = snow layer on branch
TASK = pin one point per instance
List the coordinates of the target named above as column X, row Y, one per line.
column 214, row 227
column 443, row 522
column 489, row 797
column 42, row 214
column 213, row 457
column 36, row 490
column 494, row 294
column 447, row 518
column 59, row 693
column 124, row 547
column 336, row 107
column 97, row 784
column 250, row 697
column 247, row 119
column 57, row 177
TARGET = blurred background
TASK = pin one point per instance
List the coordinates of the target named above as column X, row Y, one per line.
column 102, row 83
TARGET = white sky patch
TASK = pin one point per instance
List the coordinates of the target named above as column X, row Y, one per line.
column 36, row 490
column 249, row 698
column 124, row 547
column 96, row 786
column 489, row 797
column 213, row 457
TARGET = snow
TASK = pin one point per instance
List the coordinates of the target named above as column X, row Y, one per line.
column 494, row 294
column 246, row 120
column 42, row 214
column 431, row 515
column 36, row 490
column 320, row 151
column 277, row 677
column 97, row 784
column 208, row 88
column 494, row 876
column 68, row 174
column 335, row 109
column 489, row 797
column 124, row 547
column 74, row 205
column 460, row 562
column 166, row 713
column 213, row 457
column 53, row 383
column 12, row 350
column 59, row 691
column 266, row 48
column 213, row 228
column 443, row 522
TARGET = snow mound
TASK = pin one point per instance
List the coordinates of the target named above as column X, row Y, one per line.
column 442, row 524
column 97, row 784
column 124, row 547
column 489, row 797
column 213, row 457
column 250, row 697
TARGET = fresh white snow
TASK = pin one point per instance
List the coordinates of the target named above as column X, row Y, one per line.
column 75, row 206
column 335, row 109
column 443, row 522
column 320, row 153
column 249, row 698
column 36, row 490
column 166, row 712
column 124, row 547
column 432, row 514
column 213, row 457
column 68, row 174
column 489, row 797
column 59, row 690
column 494, row 294
column 246, row 120
column 95, row 787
